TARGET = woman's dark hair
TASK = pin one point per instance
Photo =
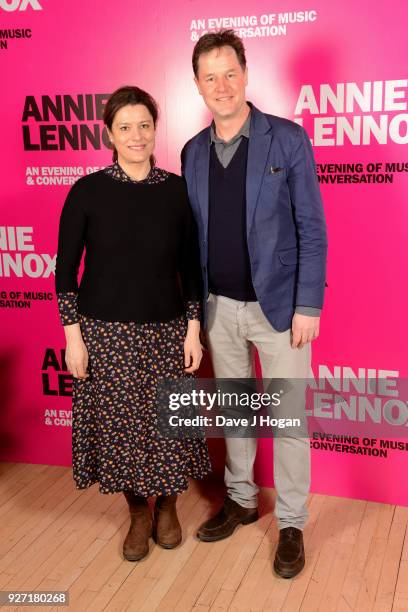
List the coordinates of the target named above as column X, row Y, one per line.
column 216, row 40
column 124, row 96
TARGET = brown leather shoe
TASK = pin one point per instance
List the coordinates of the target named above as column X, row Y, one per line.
column 167, row 530
column 290, row 554
column 223, row 524
column 136, row 544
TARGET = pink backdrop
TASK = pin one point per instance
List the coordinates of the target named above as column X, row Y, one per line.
column 77, row 48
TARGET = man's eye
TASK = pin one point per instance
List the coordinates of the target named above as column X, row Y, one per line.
column 123, row 128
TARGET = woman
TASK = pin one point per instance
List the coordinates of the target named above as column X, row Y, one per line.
column 133, row 320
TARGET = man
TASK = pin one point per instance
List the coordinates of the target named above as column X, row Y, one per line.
column 254, row 192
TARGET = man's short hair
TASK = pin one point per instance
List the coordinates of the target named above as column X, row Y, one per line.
column 216, row 40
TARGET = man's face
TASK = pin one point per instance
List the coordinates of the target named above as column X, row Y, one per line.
column 222, row 81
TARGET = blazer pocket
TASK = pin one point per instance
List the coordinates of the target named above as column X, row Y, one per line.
column 278, row 175
column 289, row 257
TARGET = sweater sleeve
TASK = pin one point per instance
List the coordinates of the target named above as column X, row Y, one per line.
column 189, row 262
column 71, row 240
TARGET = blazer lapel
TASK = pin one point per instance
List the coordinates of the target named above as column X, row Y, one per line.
column 260, row 139
column 202, row 164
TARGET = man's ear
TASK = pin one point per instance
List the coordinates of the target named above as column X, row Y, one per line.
column 197, row 85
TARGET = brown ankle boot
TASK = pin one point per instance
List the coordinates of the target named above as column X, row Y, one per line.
column 136, row 544
column 167, row 530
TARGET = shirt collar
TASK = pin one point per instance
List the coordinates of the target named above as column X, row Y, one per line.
column 123, row 176
column 244, row 131
column 156, row 175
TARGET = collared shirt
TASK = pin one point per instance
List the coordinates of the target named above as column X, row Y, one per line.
column 156, row 175
column 226, row 149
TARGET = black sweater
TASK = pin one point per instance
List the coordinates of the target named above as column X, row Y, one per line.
column 142, row 259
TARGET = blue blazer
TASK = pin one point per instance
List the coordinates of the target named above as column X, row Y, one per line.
column 286, row 230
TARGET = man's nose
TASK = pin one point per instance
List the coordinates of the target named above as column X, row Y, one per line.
column 222, row 84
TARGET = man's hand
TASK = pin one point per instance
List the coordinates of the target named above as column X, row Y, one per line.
column 304, row 329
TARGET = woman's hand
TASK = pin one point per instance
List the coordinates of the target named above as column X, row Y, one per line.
column 76, row 354
column 193, row 351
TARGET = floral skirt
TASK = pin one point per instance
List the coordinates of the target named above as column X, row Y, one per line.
column 115, row 437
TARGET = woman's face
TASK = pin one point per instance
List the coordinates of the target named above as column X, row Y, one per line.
column 133, row 134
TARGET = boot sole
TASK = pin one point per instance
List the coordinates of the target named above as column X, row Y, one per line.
column 134, row 558
column 210, row 538
column 166, row 546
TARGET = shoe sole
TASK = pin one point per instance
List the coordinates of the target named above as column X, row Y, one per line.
column 247, row 521
column 288, row 573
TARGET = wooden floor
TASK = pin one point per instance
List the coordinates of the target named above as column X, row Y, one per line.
column 53, row 537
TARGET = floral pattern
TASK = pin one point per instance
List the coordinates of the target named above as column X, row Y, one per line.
column 115, row 436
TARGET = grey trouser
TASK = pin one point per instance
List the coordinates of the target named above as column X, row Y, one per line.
column 234, row 329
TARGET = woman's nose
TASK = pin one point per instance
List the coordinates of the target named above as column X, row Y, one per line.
column 135, row 134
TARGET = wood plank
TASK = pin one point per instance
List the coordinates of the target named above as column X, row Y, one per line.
column 239, row 549
column 375, row 559
column 27, row 494
column 401, row 590
column 114, row 584
column 11, row 492
column 42, row 548
column 12, row 472
column 354, row 574
column 24, row 541
column 87, row 542
column 392, row 558
column 222, row 601
column 344, row 549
